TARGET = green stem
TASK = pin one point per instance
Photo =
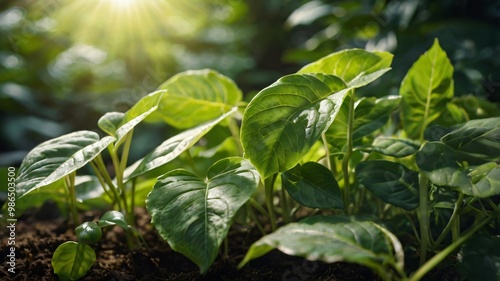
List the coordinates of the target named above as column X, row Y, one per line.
column 439, row 257
column 347, row 156
column 119, row 178
column 423, row 217
column 453, row 218
column 269, row 189
column 255, row 219
column 327, row 151
column 285, row 208
column 102, row 168
column 101, row 181
column 235, row 132
column 70, row 184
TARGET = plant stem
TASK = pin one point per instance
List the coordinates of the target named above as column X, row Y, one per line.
column 434, row 261
column 101, row 181
column 255, row 219
column 423, row 217
column 347, row 156
column 285, row 208
column 119, row 178
column 235, row 132
column 100, row 166
column 70, row 184
column 269, row 188
column 327, row 151
column 453, row 218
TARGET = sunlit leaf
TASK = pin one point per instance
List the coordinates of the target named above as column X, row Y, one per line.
column 56, row 158
column 110, row 122
column 72, row 260
column 313, row 185
column 356, row 67
column 111, row 218
column 425, row 90
column 284, row 120
column 197, row 96
column 392, row 182
column 193, row 215
column 173, row 147
column 334, row 239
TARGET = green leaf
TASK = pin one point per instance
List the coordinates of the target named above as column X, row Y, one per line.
column 110, row 122
column 394, row 147
column 356, row 67
column 425, row 90
column 392, row 182
column 142, row 109
column 89, row 194
column 72, row 260
column 197, row 96
column 56, row 158
column 479, row 259
column 88, row 233
column 284, row 120
column 193, row 215
column 441, row 164
column 173, row 147
column 111, row 218
column 334, row 239
column 476, row 140
column 313, row 185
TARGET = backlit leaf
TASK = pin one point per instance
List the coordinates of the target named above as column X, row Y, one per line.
column 197, row 96
column 194, row 215
column 425, row 90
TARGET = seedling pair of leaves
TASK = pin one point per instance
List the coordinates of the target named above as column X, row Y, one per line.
column 72, row 260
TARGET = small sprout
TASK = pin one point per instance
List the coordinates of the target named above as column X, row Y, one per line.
column 88, row 233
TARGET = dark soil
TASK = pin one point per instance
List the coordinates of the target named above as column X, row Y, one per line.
column 37, row 238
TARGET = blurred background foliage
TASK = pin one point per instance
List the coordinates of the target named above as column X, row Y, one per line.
column 64, row 63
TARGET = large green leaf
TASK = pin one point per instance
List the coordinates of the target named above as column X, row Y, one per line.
column 441, row 164
column 479, row 259
column 476, row 140
column 72, row 260
column 335, row 239
column 425, row 90
column 356, row 67
column 313, row 185
column 56, row 158
column 197, row 96
column 392, row 182
column 193, row 215
column 173, row 147
column 284, row 120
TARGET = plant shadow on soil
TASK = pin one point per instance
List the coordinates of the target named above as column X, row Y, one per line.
column 39, row 234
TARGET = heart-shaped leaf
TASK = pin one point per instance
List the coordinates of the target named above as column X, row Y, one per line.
column 197, row 96
column 193, row 215
column 392, row 182
column 284, row 120
column 110, row 122
column 425, row 90
column 356, row 67
column 72, row 260
column 56, row 158
column 335, row 239
column 111, row 218
column 173, row 147
column 313, row 185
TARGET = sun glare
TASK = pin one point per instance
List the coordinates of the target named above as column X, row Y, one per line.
column 122, row 3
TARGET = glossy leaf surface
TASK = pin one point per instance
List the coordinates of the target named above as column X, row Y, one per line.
column 394, row 147
column 356, row 67
column 173, row 147
column 425, row 90
column 111, row 218
column 88, row 233
column 333, row 239
column 72, row 260
column 392, row 182
column 193, row 215
column 313, row 185
column 56, row 158
column 197, row 96
column 284, row 120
